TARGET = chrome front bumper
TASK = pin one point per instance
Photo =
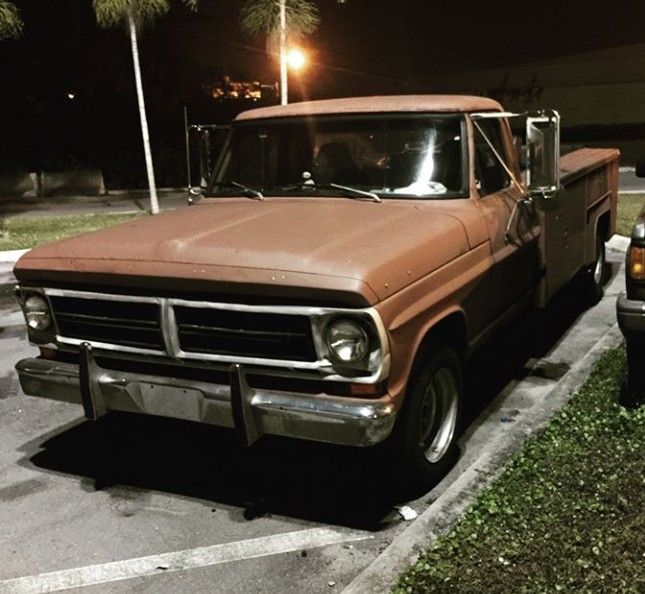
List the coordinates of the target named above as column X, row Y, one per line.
column 249, row 411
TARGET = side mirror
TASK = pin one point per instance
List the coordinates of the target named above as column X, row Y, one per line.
column 543, row 147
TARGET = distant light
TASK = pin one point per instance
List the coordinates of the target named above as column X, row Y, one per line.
column 71, row 96
column 296, row 59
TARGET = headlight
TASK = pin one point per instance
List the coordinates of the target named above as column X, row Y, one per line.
column 37, row 313
column 347, row 341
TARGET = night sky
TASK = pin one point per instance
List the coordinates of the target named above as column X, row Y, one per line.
column 361, row 47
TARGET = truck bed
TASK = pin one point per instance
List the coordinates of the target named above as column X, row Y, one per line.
column 590, row 179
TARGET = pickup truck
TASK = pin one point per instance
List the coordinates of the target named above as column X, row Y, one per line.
column 346, row 258
column 631, row 310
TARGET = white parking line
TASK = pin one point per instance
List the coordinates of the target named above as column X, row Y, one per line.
column 179, row 560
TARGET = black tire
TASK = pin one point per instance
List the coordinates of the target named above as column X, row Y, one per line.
column 425, row 437
column 595, row 278
column 633, row 393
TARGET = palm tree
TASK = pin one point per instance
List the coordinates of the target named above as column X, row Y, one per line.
column 10, row 21
column 282, row 21
column 134, row 13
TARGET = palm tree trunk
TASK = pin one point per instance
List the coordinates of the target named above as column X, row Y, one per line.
column 154, row 202
column 284, row 92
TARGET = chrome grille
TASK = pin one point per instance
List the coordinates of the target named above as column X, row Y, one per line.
column 183, row 329
column 243, row 333
column 129, row 324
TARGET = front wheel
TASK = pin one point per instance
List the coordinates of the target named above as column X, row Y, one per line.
column 429, row 421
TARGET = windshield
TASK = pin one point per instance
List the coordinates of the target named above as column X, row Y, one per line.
column 397, row 156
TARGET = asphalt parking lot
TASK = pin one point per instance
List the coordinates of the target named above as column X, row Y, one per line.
column 133, row 503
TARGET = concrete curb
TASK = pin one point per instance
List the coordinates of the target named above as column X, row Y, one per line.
column 619, row 243
column 11, row 256
column 447, row 509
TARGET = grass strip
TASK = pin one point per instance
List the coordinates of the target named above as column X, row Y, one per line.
column 26, row 232
column 566, row 515
column 629, row 205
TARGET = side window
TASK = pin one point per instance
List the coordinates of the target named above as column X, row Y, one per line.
column 489, row 172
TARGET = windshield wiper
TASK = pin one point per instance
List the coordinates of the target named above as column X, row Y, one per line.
column 355, row 192
column 250, row 192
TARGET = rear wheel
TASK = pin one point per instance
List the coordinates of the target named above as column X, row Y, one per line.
column 596, row 274
column 428, row 425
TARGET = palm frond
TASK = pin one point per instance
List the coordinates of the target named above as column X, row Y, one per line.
column 262, row 17
column 114, row 12
column 11, row 24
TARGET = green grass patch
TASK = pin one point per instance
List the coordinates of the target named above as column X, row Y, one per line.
column 629, row 205
column 26, row 232
column 566, row 515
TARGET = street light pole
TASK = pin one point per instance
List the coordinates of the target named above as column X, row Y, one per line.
column 284, row 92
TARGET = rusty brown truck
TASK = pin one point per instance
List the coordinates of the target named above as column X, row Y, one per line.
column 346, row 258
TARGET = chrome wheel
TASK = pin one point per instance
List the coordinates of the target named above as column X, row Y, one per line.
column 600, row 263
column 438, row 418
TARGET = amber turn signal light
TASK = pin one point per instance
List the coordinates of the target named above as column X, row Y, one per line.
column 46, row 353
column 637, row 263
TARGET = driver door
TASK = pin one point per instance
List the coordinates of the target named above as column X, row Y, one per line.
column 513, row 225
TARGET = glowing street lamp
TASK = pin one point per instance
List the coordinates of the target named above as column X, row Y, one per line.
column 296, row 59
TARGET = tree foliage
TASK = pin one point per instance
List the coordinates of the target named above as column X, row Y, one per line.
column 115, row 12
column 262, row 17
column 10, row 22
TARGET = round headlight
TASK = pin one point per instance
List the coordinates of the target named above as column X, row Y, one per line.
column 37, row 313
column 347, row 340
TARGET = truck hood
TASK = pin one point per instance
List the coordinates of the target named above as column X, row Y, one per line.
column 352, row 246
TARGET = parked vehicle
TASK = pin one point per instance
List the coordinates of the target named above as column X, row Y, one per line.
column 630, row 308
column 347, row 257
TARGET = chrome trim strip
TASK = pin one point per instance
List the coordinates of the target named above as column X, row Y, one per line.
column 173, row 349
column 169, row 329
column 108, row 346
column 300, row 310
column 101, row 296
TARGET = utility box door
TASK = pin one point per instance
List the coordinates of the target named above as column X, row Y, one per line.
column 564, row 238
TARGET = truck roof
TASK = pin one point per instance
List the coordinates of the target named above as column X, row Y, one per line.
column 377, row 104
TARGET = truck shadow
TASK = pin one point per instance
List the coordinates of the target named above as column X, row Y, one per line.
column 124, row 454
column 531, row 335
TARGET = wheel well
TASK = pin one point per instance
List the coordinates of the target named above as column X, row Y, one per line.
column 602, row 227
column 451, row 330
